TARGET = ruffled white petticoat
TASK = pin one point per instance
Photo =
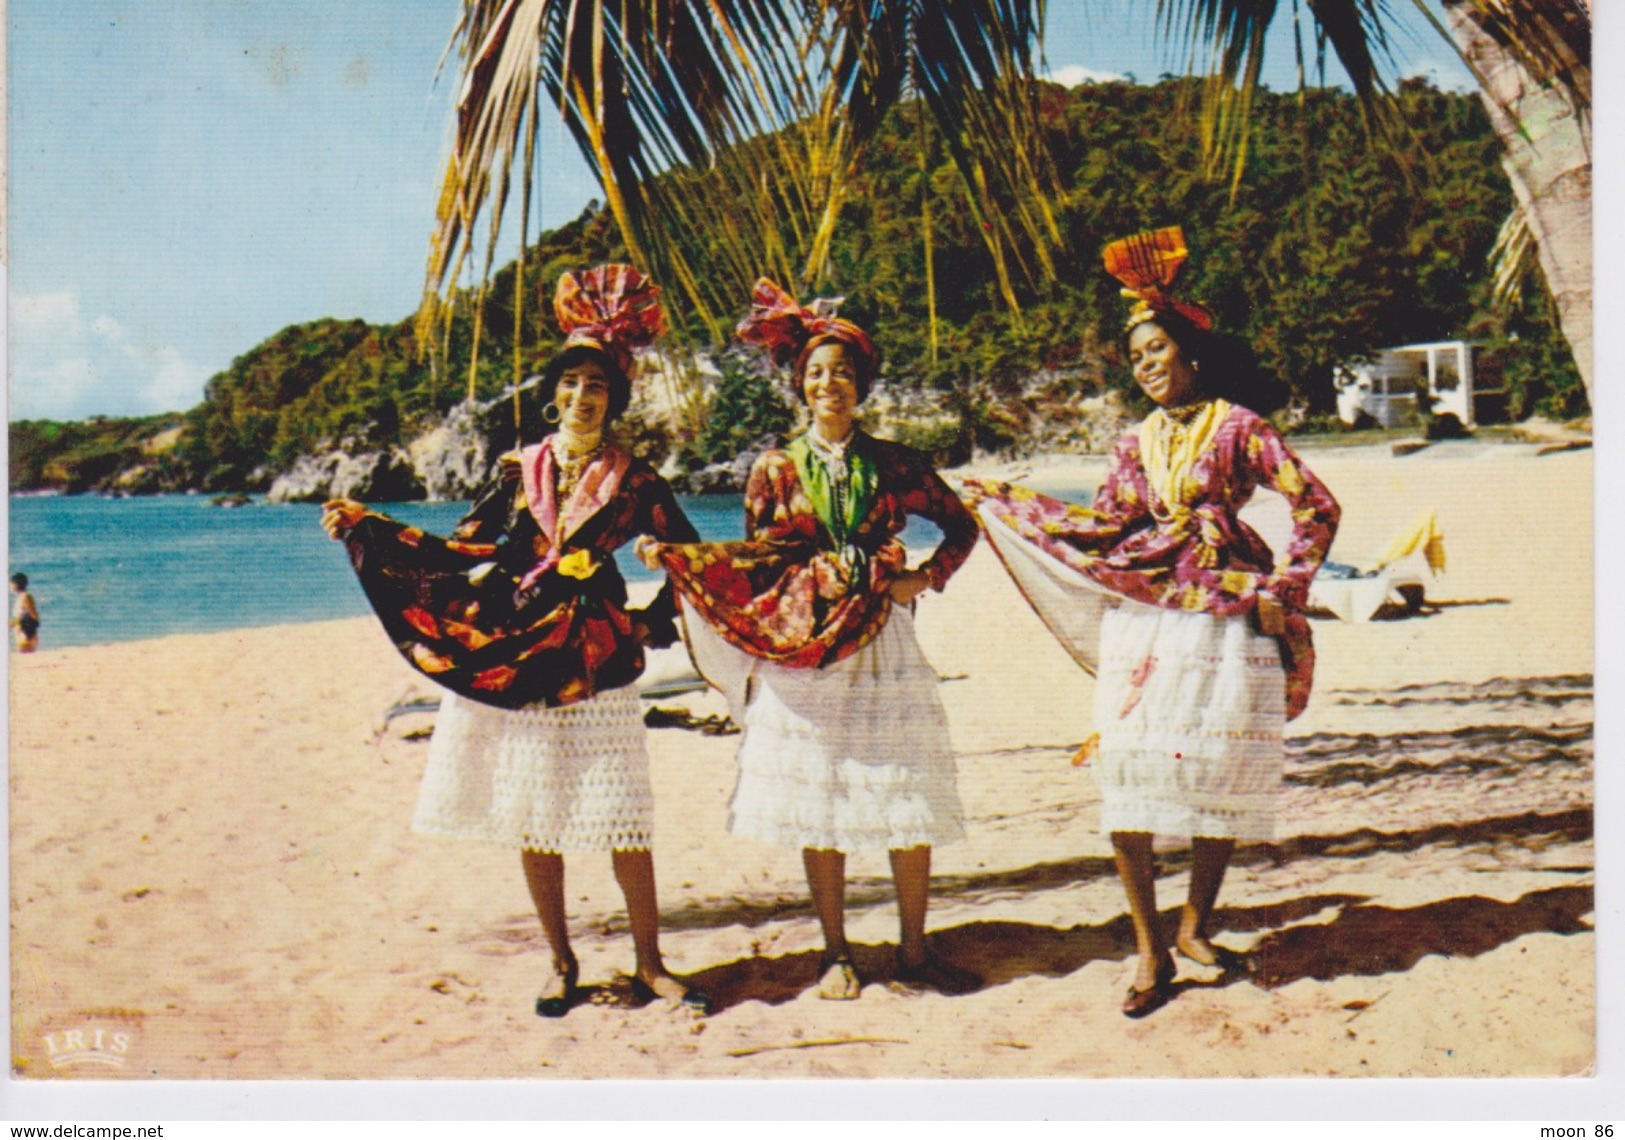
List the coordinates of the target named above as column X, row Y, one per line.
column 850, row 757
column 1190, row 707
column 547, row 779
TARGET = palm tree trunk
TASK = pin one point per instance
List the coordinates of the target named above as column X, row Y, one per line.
column 1548, row 160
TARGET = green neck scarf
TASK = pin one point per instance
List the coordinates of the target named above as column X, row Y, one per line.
column 841, row 500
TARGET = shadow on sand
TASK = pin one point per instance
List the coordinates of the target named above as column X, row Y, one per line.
column 1363, row 940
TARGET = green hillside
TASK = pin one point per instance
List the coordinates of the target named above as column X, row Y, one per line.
column 1326, row 249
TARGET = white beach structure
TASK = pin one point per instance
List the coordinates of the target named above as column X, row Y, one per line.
column 1388, row 387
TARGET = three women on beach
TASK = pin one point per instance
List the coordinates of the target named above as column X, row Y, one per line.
column 806, row 627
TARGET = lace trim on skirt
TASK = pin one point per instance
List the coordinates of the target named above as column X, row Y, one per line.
column 1190, row 709
column 574, row 778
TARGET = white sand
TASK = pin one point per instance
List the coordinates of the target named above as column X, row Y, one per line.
column 211, row 854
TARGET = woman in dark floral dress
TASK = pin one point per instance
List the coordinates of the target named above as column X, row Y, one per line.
column 1193, row 627
column 807, row 628
column 523, row 615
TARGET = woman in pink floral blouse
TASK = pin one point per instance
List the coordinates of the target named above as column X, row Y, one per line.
column 1203, row 649
column 806, row 627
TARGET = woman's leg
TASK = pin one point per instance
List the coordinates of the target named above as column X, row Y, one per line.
column 826, row 879
column 544, row 875
column 917, row 967
column 635, row 872
column 1209, row 860
column 911, row 871
column 1139, row 875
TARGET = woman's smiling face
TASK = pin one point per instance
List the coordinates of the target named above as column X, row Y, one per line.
column 830, row 384
column 582, row 398
column 1160, row 367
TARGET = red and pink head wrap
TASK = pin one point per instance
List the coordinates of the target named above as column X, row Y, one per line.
column 786, row 329
column 612, row 308
column 1147, row 264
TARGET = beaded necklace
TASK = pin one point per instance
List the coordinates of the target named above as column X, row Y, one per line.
column 572, row 454
column 835, row 459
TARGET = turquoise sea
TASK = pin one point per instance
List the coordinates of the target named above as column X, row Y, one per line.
column 106, row 570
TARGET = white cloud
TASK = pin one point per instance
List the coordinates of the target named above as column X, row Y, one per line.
column 1072, row 74
column 109, row 329
column 48, row 315
column 176, row 382
column 65, row 366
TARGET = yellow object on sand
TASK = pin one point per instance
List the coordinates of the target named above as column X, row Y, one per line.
column 1424, row 535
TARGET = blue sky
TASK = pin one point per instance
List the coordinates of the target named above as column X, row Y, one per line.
column 189, row 176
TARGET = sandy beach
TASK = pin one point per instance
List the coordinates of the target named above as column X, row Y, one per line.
column 213, row 868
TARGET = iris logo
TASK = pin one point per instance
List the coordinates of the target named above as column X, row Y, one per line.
column 92, row 1045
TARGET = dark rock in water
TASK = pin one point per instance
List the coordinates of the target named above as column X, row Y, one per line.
column 727, row 478
column 231, row 499
column 373, row 476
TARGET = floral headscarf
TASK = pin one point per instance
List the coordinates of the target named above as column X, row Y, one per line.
column 613, row 308
column 784, row 327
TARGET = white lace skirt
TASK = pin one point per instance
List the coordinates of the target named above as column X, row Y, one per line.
column 1190, row 709
column 563, row 779
column 854, row 756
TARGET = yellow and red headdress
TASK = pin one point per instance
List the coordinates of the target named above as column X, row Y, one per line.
column 784, row 327
column 1148, row 264
column 613, row 308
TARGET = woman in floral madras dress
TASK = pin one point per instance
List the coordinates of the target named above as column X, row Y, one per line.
column 522, row 615
column 1203, row 649
column 806, row 627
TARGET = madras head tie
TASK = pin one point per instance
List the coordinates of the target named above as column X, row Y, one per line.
column 613, row 308
column 783, row 326
column 1148, row 264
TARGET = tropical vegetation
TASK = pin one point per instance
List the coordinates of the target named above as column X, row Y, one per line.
column 1326, row 250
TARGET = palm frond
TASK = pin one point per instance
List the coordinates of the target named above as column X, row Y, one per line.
column 1512, row 259
column 1226, row 40
column 727, row 130
column 1550, row 39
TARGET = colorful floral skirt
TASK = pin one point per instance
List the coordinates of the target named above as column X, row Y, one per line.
column 852, row 756
column 1190, row 709
column 573, row 778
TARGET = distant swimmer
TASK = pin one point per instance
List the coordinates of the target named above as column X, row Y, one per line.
column 24, row 615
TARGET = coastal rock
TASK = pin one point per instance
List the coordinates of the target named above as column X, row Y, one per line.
column 724, row 478
column 452, row 460
column 373, row 476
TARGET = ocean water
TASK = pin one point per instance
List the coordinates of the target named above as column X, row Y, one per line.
column 106, row 570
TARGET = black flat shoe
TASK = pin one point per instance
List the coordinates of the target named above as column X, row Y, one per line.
column 694, row 1000
column 557, row 1005
column 1143, row 1003
column 933, row 973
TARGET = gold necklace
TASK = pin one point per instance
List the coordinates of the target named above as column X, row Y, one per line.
column 573, row 464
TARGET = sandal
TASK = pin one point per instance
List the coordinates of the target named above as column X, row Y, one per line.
column 1143, row 1003
column 838, row 979
column 694, row 999
column 933, row 973
column 1230, row 963
column 550, row 1004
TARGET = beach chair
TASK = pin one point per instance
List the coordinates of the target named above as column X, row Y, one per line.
column 1356, row 594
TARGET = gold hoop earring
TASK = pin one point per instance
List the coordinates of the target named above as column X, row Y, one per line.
column 551, row 413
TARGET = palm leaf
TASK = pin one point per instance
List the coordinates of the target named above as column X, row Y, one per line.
column 1550, row 39
column 725, row 131
column 1225, row 40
